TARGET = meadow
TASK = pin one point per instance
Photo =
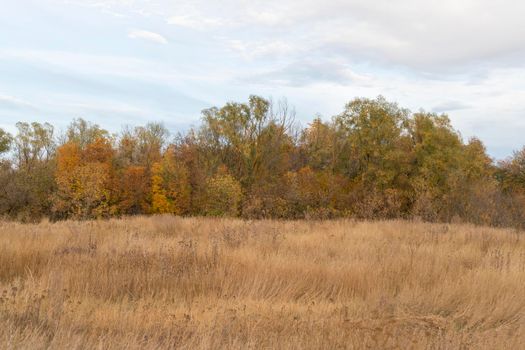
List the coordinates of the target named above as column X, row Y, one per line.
column 204, row 283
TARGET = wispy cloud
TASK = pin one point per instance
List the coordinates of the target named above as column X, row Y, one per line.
column 257, row 49
column 14, row 103
column 196, row 22
column 306, row 72
column 147, row 35
column 447, row 56
column 450, row 106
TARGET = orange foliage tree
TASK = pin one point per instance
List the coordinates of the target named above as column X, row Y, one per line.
column 84, row 178
column 170, row 186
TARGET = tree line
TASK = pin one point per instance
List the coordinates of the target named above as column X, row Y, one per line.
column 375, row 160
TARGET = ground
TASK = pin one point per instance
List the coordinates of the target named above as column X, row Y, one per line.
column 196, row 283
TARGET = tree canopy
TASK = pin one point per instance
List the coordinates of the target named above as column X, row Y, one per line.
column 374, row 160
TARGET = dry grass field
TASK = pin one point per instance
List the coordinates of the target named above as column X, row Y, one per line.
column 167, row 282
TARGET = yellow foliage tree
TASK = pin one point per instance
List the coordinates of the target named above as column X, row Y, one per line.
column 84, row 181
column 171, row 192
column 223, row 195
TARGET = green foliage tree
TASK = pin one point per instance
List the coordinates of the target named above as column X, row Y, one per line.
column 253, row 141
column 318, row 146
column 511, row 176
column 374, row 131
column 512, row 172
column 27, row 182
column 223, row 195
column 5, row 141
column 83, row 133
column 150, row 142
column 249, row 138
column 376, row 155
column 33, row 143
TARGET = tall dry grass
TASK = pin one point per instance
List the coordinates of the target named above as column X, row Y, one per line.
column 166, row 282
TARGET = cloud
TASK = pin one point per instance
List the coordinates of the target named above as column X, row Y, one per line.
column 104, row 108
column 466, row 58
column 443, row 36
column 13, row 103
column 450, row 106
column 252, row 50
column 420, row 35
column 194, row 22
column 149, row 36
column 307, row 72
column 90, row 64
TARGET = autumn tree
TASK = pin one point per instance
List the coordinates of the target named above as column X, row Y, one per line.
column 475, row 193
column 5, row 141
column 438, row 155
column 319, row 145
column 511, row 177
column 513, row 172
column 83, row 133
column 375, row 154
column 373, row 160
column 6, row 173
column 249, row 138
column 170, row 186
column 84, row 179
column 28, row 180
column 134, row 191
column 33, row 143
column 223, row 194
column 84, row 173
column 252, row 140
column 315, row 194
column 193, row 154
column 149, row 143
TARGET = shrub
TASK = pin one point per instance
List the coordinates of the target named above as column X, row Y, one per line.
column 223, row 195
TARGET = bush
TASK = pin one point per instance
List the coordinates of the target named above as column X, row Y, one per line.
column 223, row 196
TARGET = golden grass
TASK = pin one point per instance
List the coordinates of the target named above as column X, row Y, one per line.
column 167, row 282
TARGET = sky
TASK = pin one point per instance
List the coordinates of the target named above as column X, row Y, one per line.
column 127, row 62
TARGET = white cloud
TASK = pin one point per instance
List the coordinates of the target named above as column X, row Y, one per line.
column 107, row 108
column 149, row 36
column 422, row 35
column 89, row 65
column 449, row 106
column 14, row 103
column 307, row 72
column 466, row 58
column 195, row 22
column 272, row 48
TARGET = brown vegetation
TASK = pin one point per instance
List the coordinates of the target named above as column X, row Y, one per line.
column 168, row 282
column 375, row 160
